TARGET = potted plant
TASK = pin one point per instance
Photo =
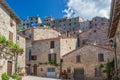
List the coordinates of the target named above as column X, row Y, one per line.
column 16, row 76
column 4, row 76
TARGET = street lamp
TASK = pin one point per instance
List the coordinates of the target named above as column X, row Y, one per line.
column 113, row 45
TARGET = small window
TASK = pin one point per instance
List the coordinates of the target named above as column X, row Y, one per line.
column 52, row 44
column 68, row 70
column 95, row 24
column 17, row 37
column 69, row 24
column 75, row 23
column 33, row 57
column 30, row 36
column 98, row 72
column 78, row 59
column 52, row 57
column 11, row 23
column 94, row 31
column 101, row 57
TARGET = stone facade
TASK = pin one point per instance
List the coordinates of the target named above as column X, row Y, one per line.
column 96, row 35
column 88, row 61
column 21, row 64
column 41, row 49
column 30, row 22
column 8, row 23
column 74, row 24
column 40, row 33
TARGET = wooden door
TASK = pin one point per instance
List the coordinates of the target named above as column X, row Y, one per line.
column 78, row 74
column 35, row 70
column 9, row 68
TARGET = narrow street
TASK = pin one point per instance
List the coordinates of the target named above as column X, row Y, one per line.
column 37, row 78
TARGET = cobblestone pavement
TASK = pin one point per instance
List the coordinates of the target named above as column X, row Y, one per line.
column 37, row 78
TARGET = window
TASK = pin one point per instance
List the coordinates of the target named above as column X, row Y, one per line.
column 101, row 57
column 52, row 44
column 78, row 59
column 31, row 19
column 52, row 69
column 94, row 31
column 33, row 57
column 29, row 54
column 69, row 24
column 97, row 72
column 17, row 37
column 68, row 70
column 52, row 57
column 30, row 36
column 11, row 23
column 10, row 36
column 75, row 23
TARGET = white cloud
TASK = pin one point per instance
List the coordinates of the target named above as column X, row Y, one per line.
column 87, row 8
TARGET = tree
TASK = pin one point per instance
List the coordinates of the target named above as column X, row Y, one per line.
column 8, row 50
column 108, row 69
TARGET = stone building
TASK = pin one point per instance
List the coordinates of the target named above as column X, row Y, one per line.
column 83, row 63
column 99, row 21
column 74, row 24
column 96, row 35
column 8, row 23
column 30, row 22
column 67, row 24
column 114, row 30
column 44, row 48
column 21, row 64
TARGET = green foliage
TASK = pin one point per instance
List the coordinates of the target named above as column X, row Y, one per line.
column 4, row 76
column 54, row 63
column 8, row 43
column 101, row 66
column 2, row 39
column 109, row 67
column 15, row 76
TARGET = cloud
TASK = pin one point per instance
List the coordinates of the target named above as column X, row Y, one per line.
column 87, row 8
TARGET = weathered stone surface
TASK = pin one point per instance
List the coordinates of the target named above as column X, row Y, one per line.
column 89, row 59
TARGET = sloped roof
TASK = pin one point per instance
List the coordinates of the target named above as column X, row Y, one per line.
column 114, row 18
column 87, row 45
column 12, row 14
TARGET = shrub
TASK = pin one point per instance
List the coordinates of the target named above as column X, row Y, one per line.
column 5, row 76
column 15, row 76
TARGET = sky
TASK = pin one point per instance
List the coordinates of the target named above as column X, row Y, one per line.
column 60, row 8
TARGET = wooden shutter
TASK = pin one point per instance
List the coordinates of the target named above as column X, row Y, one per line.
column 49, row 57
column 30, row 54
column 55, row 57
column 10, row 36
column 78, row 58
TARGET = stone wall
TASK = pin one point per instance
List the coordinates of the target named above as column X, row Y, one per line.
column 5, row 26
column 118, row 44
column 22, row 57
column 89, row 59
column 67, row 45
column 45, row 33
